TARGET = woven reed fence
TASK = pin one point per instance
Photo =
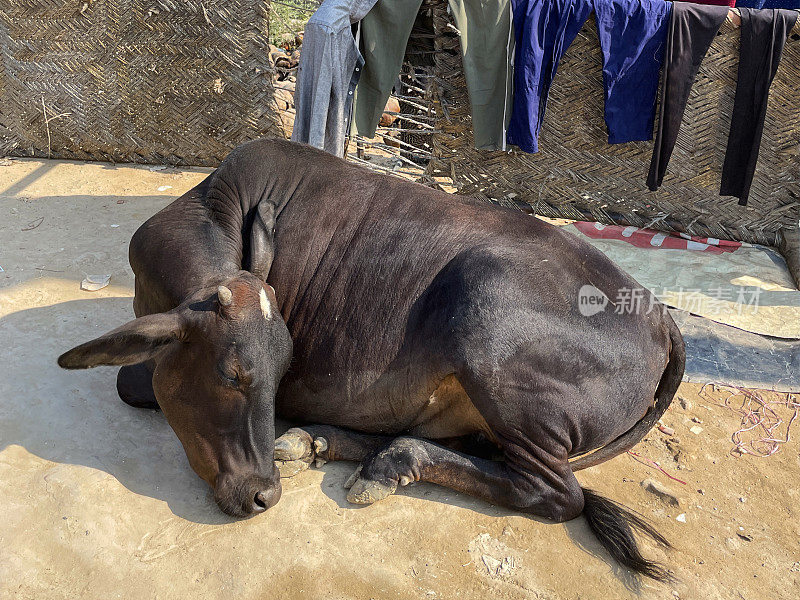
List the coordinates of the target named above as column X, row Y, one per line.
column 578, row 175
column 156, row 81
column 185, row 81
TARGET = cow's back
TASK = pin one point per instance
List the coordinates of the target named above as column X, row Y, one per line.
column 354, row 263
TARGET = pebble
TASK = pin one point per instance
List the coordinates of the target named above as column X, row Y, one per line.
column 661, row 491
column 686, row 404
column 666, row 430
column 681, row 518
column 742, row 499
column 732, row 544
column 697, row 430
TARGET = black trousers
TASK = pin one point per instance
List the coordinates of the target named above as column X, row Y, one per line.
column 764, row 34
column 692, row 28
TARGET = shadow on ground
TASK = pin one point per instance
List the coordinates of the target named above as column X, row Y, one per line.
column 76, row 417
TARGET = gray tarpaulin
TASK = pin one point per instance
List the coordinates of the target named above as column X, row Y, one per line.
column 717, row 353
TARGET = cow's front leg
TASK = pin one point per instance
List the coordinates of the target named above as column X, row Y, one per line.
column 299, row 447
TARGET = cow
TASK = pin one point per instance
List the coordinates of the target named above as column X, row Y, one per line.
column 426, row 336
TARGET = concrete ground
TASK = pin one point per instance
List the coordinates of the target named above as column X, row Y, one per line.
column 98, row 499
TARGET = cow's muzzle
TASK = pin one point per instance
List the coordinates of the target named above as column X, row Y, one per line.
column 245, row 496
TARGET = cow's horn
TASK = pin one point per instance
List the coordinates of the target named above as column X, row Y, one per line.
column 225, row 296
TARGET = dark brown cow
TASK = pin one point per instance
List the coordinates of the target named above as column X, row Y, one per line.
column 415, row 316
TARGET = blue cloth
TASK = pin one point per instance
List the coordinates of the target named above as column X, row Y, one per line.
column 543, row 30
column 632, row 38
column 768, row 3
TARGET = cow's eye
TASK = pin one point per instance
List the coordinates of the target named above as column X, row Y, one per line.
column 230, row 377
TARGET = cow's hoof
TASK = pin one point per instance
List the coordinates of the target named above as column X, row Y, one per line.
column 366, row 491
column 290, row 468
column 353, row 478
column 296, row 450
column 295, row 444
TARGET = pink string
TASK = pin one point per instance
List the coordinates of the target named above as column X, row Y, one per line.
column 651, row 463
column 760, row 427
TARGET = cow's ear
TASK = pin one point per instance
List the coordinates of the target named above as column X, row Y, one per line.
column 262, row 240
column 134, row 342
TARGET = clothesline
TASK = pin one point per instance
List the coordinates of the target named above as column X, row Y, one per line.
column 637, row 44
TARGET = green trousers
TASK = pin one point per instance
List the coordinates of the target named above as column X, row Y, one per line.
column 487, row 43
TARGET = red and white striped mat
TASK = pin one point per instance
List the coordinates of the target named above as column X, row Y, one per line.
column 650, row 238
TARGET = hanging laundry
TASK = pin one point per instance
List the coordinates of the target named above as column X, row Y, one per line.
column 330, row 66
column 763, row 35
column 692, row 28
column 486, row 43
column 543, row 30
column 632, row 37
column 384, row 35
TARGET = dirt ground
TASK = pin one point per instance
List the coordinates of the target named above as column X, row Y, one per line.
column 98, row 500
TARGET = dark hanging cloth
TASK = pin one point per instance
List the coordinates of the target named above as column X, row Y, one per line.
column 691, row 30
column 763, row 36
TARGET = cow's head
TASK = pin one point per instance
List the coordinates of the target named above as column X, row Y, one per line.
column 218, row 359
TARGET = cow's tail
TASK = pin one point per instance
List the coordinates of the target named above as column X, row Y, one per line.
column 611, row 523
column 670, row 380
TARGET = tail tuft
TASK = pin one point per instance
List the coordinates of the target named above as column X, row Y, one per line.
column 613, row 525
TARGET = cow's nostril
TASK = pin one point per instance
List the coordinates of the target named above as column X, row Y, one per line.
column 261, row 500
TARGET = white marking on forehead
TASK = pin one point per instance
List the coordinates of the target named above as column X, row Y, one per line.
column 265, row 306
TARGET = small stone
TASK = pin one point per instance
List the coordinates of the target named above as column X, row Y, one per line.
column 701, row 491
column 745, row 537
column 661, row 491
column 686, row 404
column 666, row 430
column 674, row 446
column 681, row 518
column 696, row 420
column 697, row 430
column 742, row 499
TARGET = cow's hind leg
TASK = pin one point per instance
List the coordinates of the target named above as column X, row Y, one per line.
column 545, row 487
